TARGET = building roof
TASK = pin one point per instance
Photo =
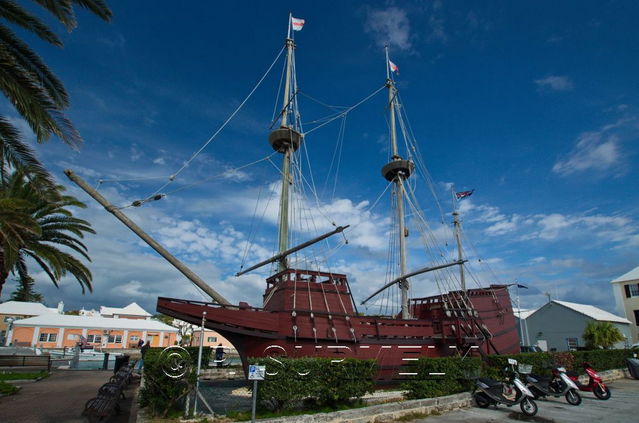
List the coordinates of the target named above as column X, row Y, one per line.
column 524, row 313
column 20, row 308
column 132, row 310
column 593, row 312
column 633, row 275
column 68, row 321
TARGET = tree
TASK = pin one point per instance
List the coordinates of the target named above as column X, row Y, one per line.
column 168, row 320
column 40, row 99
column 601, row 335
column 25, row 291
column 49, row 225
column 36, row 93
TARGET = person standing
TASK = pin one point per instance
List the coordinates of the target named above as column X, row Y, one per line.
column 143, row 349
column 219, row 355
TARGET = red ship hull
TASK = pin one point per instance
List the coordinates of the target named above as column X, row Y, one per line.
column 311, row 314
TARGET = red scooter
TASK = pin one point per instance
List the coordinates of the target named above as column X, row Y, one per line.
column 595, row 383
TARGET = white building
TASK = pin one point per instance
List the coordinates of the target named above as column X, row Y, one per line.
column 132, row 311
column 626, row 290
column 559, row 325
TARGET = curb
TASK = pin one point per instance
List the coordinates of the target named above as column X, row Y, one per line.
column 384, row 412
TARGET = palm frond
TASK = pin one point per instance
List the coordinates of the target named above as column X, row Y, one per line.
column 31, row 62
column 15, row 14
column 19, row 155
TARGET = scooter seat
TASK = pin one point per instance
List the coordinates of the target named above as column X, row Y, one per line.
column 541, row 378
column 489, row 382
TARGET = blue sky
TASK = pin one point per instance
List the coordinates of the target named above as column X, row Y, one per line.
column 532, row 104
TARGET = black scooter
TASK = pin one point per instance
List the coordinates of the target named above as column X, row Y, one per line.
column 511, row 392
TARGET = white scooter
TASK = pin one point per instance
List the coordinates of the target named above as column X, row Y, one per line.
column 511, row 392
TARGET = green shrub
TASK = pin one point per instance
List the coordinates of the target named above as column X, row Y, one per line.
column 318, row 381
column 601, row 359
column 455, row 378
column 161, row 394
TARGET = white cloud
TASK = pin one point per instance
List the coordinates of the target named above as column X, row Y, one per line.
column 389, row 26
column 594, row 151
column 555, row 82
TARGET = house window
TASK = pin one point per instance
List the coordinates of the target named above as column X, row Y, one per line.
column 636, row 317
column 94, row 338
column 115, row 339
column 48, row 337
column 134, row 338
column 573, row 343
column 632, row 290
column 211, row 339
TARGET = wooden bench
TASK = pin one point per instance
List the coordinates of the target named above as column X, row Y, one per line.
column 100, row 407
column 106, row 403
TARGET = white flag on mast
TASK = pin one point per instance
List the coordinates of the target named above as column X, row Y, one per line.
column 393, row 67
column 298, row 24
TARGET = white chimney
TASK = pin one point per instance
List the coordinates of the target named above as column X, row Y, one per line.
column 60, row 307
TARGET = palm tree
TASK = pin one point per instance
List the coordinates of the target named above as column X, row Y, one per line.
column 37, row 228
column 25, row 291
column 28, row 83
column 601, row 335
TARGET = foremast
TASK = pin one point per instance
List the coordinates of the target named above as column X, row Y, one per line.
column 286, row 140
column 397, row 171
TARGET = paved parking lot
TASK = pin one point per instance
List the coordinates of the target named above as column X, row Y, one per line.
column 622, row 407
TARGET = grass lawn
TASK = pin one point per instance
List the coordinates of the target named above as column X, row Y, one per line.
column 7, row 388
column 23, row 376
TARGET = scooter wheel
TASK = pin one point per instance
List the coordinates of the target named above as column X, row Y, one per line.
column 573, row 397
column 482, row 400
column 528, row 407
column 601, row 392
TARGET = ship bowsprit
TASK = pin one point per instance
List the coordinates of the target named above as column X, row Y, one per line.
column 312, row 314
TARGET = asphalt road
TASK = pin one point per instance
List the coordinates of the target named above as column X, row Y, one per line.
column 622, row 407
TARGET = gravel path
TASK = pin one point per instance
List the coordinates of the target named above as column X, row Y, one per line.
column 60, row 398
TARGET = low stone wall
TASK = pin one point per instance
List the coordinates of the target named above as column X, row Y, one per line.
column 222, row 373
column 384, row 412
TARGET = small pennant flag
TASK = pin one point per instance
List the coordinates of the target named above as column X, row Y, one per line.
column 393, row 67
column 463, row 194
column 298, row 24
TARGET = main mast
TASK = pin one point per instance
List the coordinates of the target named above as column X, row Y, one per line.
column 460, row 255
column 286, row 140
column 397, row 171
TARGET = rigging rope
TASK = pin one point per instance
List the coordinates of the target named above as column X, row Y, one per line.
column 349, row 109
column 186, row 164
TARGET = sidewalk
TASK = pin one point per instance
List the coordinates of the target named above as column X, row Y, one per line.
column 61, row 398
